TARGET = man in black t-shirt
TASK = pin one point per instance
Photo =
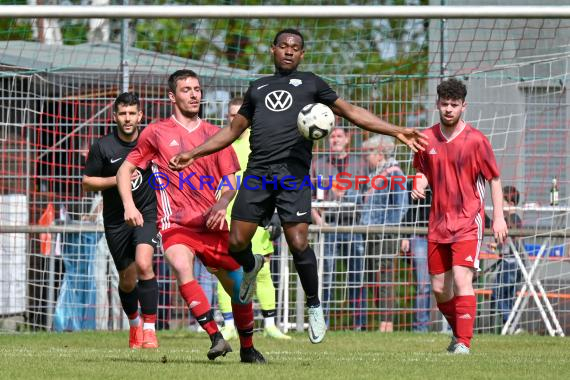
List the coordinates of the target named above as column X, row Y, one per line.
column 132, row 248
column 278, row 166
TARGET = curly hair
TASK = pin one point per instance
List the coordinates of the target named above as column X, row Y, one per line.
column 452, row 89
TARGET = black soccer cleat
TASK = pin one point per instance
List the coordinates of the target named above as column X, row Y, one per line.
column 251, row 355
column 219, row 347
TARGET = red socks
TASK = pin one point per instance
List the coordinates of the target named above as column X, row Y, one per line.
column 448, row 311
column 465, row 312
column 149, row 318
column 243, row 317
column 199, row 306
column 460, row 313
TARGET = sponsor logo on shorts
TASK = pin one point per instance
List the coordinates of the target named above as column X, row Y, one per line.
column 465, row 316
column 469, row 259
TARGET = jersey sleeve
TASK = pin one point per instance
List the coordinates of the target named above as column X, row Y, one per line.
column 325, row 94
column 247, row 109
column 227, row 161
column 419, row 163
column 145, row 150
column 94, row 164
column 487, row 161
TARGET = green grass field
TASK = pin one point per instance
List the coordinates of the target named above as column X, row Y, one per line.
column 343, row 355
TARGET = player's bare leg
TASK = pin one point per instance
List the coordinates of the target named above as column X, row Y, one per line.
column 306, row 265
column 442, row 287
column 181, row 260
column 241, row 233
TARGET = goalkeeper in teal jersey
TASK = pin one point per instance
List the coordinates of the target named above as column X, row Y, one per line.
column 261, row 244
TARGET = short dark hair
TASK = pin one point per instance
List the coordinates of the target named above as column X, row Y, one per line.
column 289, row 31
column 126, row 99
column 179, row 75
column 237, row 101
column 511, row 194
column 452, row 89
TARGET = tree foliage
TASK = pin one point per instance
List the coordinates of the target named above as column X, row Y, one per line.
column 340, row 46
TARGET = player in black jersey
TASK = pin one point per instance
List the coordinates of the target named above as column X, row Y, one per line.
column 271, row 106
column 132, row 248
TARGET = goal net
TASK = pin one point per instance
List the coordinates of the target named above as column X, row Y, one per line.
column 60, row 76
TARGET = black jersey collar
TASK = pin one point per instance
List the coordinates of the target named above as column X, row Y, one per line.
column 282, row 74
column 123, row 142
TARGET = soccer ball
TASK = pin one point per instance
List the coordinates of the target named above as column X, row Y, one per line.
column 315, row 121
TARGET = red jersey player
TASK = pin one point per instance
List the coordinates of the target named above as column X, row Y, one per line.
column 456, row 163
column 191, row 218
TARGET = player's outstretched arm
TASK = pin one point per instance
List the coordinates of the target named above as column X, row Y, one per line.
column 219, row 141
column 370, row 122
column 499, row 224
column 132, row 215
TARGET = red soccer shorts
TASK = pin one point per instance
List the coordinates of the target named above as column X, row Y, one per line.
column 211, row 247
column 443, row 256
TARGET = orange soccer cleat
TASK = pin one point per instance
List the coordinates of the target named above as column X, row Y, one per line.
column 136, row 337
column 149, row 339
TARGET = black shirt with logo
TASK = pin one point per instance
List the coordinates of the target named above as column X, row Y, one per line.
column 272, row 105
column 105, row 157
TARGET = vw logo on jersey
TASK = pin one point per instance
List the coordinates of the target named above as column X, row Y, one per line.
column 136, row 183
column 278, row 101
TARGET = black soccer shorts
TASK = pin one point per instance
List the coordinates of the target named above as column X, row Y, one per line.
column 123, row 240
column 285, row 186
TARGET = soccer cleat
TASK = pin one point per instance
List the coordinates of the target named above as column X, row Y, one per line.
column 229, row 332
column 317, row 324
column 219, row 347
column 149, row 339
column 136, row 336
column 460, row 349
column 248, row 282
column 452, row 344
column 251, row 355
column 275, row 333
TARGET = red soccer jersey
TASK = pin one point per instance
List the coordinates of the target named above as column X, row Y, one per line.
column 180, row 202
column 456, row 170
